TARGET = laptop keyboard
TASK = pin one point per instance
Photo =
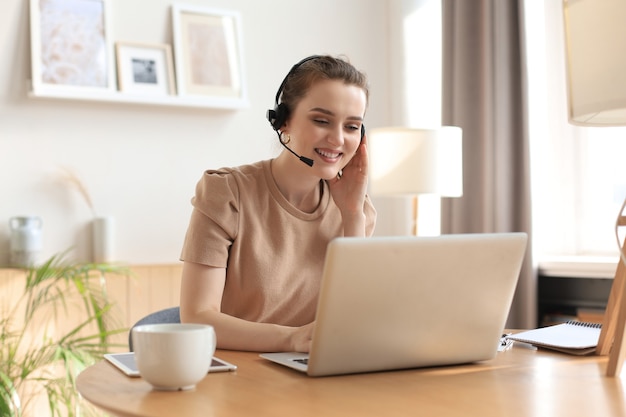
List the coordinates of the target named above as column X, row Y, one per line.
column 503, row 345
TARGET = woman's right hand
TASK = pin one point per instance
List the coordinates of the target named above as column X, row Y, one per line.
column 301, row 338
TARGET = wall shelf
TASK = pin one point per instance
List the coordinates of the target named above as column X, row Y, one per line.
column 154, row 100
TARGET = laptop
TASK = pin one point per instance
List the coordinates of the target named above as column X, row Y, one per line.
column 389, row 303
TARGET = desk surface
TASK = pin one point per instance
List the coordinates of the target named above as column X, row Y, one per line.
column 521, row 381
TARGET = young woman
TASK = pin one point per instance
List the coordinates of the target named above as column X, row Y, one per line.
column 254, row 250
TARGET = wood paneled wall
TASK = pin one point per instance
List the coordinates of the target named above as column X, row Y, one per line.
column 148, row 289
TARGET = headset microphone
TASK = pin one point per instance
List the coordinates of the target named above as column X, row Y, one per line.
column 304, row 159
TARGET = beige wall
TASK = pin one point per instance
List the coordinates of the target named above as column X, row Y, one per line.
column 141, row 162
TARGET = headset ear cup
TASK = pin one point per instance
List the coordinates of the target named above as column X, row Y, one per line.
column 281, row 112
column 271, row 116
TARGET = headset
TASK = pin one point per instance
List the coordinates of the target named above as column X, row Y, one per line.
column 280, row 113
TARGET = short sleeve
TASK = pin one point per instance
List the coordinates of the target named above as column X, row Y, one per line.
column 214, row 220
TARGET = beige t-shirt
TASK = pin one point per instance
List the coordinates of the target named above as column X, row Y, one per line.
column 273, row 253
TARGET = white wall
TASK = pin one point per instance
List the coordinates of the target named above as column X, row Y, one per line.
column 140, row 162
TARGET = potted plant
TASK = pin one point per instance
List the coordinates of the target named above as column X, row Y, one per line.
column 61, row 323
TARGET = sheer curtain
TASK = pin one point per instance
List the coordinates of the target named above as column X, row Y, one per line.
column 484, row 94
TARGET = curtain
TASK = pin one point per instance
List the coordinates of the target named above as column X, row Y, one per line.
column 484, row 94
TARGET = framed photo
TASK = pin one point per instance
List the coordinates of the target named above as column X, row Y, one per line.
column 70, row 45
column 145, row 68
column 208, row 55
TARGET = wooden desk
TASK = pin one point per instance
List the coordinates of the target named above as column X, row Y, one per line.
column 518, row 382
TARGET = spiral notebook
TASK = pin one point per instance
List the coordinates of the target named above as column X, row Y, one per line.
column 573, row 337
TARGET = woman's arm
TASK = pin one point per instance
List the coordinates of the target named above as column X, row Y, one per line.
column 202, row 288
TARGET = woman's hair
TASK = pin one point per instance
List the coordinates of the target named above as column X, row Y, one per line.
column 324, row 67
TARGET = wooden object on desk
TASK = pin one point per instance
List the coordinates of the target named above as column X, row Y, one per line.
column 614, row 325
column 519, row 382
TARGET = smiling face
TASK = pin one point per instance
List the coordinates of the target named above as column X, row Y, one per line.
column 326, row 124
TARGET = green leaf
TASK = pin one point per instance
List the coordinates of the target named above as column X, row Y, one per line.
column 9, row 400
column 53, row 362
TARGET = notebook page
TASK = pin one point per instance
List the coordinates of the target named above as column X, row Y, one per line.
column 570, row 335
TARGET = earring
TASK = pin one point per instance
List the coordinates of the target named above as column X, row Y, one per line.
column 283, row 140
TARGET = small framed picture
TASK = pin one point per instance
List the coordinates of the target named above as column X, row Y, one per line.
column 145, row 68
column 70, row 45
column 208, row 55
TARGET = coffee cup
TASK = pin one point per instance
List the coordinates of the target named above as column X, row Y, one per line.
column 173, row 356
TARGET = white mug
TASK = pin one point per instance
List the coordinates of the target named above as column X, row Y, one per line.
column 173, row 356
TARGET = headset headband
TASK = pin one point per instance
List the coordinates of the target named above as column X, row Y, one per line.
column 291, row 71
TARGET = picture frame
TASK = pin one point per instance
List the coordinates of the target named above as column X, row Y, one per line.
column 145, row 69
column 208, row 55
column 71, row 48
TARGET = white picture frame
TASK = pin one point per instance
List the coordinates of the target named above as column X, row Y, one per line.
column 145, row 69
column 208, row 55
column 71, row 48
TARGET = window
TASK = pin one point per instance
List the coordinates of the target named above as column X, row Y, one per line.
column 578, row 179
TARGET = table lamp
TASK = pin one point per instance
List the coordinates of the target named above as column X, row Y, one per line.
column 595, row 35
column 410, row 162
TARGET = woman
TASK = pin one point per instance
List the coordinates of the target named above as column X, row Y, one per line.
column 254, row 250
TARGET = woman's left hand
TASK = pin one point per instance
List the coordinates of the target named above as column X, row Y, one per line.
column 349, row 188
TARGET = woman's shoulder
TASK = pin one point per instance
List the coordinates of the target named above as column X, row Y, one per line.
column 230, row 179
column 252, row 169
column 242, row 173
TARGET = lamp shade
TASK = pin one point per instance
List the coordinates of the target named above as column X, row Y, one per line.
column 595, row 32
column 416, row 161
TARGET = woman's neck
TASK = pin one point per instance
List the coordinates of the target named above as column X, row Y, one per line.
column 303, row 191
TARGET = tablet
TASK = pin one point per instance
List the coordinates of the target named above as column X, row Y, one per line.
column 125, row 362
